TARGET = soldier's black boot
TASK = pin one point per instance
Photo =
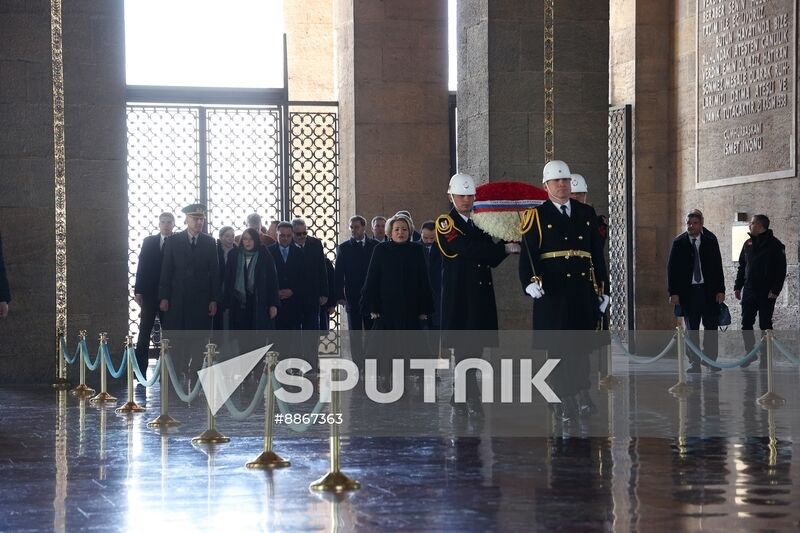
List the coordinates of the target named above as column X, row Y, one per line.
column 585, row 403
column 569, row 409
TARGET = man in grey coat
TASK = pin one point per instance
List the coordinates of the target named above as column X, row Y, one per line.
column 189, row 285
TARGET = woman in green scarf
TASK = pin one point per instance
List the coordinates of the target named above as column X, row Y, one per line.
column 251, row 285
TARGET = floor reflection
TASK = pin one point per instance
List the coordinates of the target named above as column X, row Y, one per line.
column 718, row 461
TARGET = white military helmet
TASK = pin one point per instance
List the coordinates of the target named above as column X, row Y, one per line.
column 462, row 184
column 579, row 184
column 555, row 170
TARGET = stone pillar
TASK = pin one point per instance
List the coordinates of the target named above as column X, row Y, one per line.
column 393, row 110
column 310, row 44
column 501, row 104
column 94, row 75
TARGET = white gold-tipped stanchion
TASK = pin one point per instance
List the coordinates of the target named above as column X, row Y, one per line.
column 770, row 400
column 210, row 435
column 268, row 458
column 130, row 406
column 164, row 420
column 103, row 396
column 680, row 389
column 82, row 390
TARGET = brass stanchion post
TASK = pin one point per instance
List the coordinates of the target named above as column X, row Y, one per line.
column 335, row 480
column 268, row 458
column 680, row 389
column 609, row 381
column 82, row 390
column 130, row 406
column 60, row 382
column 210, row 435
column 103, row 395
column 164, row 420
column 770, row 400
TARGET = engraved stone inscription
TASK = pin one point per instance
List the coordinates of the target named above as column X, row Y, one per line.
column 746, row 90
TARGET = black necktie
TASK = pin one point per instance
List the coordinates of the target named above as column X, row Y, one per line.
column 696, row 274
column 193, row 242
column 470, row 223
column 161, row 244
column 361, row 244
column 564, row 211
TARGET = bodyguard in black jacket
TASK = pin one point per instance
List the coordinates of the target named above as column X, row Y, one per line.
column 696, row 283
column 759, row 279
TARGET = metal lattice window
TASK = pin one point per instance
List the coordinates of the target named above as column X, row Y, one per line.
column 232, row 159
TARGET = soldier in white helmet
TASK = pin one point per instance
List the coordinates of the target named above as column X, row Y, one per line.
column 468, row 302
column 563, row 269
column 579, row 192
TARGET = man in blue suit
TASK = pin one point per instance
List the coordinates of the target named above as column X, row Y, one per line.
column 352, row 261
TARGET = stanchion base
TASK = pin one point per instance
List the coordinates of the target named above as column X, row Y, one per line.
column 163, row 421
column 61, row 384
column 130, row 407
column 210, row 436
column 268, row 460
column 771, row 400
column 608, row 382
column 102, row 397
column 335, row 482
column 680, row 390
column 82, row 391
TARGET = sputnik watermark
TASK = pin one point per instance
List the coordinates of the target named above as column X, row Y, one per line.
column 331, row 380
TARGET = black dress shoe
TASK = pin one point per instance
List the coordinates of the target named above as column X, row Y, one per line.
column 475, row 410
column 694, row 369
column 585, row 403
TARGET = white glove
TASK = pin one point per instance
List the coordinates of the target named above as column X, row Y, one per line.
column 604, row 301
column 535, row 290
column 512, row 248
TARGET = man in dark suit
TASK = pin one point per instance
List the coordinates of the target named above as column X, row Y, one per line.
column 696, row 284
column 145, row 290
column 189, row 286
column 563, row 269
column 379, row 229
column 468, row 302
column 352, row 261
column 288, row 264
column 314, row 289
column 433, row 260
column 5, row 291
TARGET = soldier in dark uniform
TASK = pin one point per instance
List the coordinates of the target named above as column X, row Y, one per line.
column 468, row 303
column 563, row 269
column 189, row 285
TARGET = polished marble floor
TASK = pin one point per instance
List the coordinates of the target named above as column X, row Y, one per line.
column 711, row 461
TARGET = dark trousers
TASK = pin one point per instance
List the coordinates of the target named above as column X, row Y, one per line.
column 358, row 322
column 702, row 307
column 755, row 302
column 148, row 317
column 309, row 323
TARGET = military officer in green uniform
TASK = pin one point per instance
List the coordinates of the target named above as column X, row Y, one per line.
column 468, row 302
column 563, row 269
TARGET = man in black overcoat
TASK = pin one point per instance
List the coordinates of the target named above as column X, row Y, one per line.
column 696, row 284
column 289, row 266
column 189, row 286
column 563, row 269
column 352, row 261
column 145, row 289
column 468, row 303
column 5, row 291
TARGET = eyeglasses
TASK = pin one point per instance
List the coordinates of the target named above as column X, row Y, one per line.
column 300, row 233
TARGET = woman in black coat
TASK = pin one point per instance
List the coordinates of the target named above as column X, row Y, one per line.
column 397, row 292
column 251, row 285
